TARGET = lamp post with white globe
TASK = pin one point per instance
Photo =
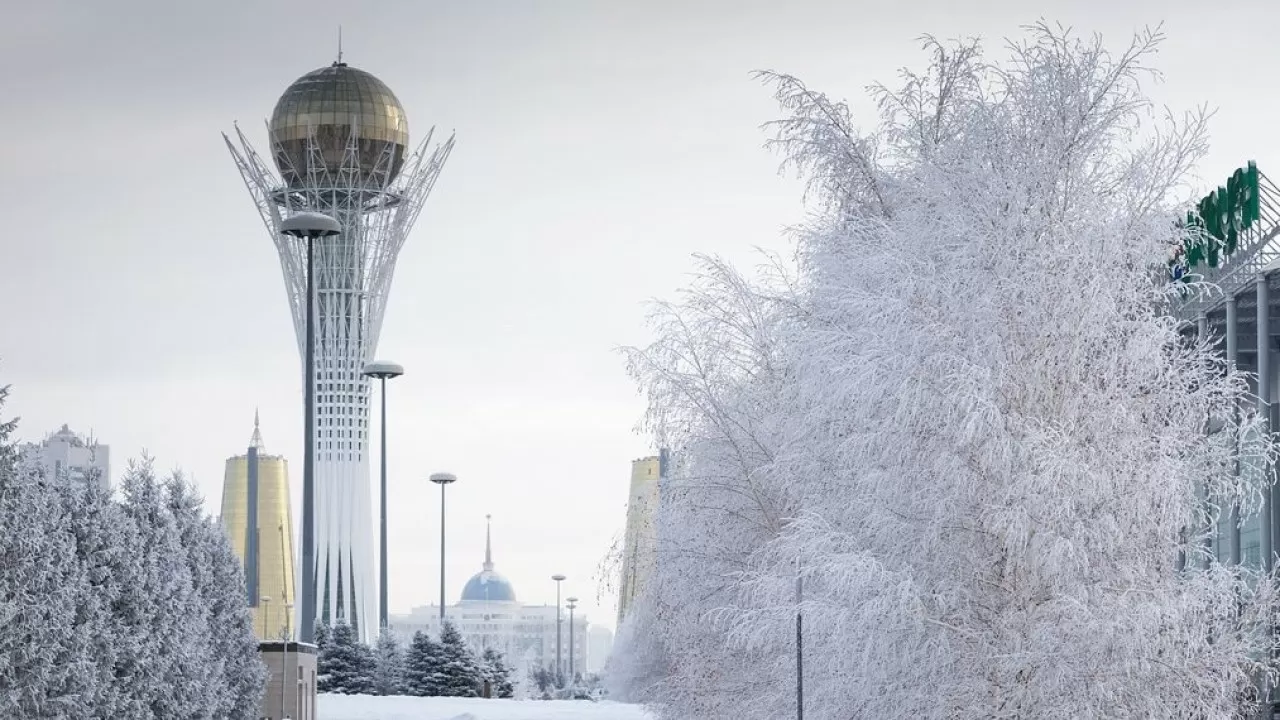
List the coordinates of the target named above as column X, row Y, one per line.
column 558, row 579
column 383, row 371
column 571, row 603
column 442, row 479
column 309, row 226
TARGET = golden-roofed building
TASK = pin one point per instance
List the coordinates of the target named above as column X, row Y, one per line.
column 261, row 534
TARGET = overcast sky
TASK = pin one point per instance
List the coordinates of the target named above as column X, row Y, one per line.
column 600, row 145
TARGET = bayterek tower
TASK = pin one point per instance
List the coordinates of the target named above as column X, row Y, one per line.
column 339, row 139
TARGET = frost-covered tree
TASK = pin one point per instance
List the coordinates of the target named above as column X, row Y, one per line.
column 130, row 609
column 347, row 666
column 389, row 657
column 234, row 667
column 720, row 394
column 964, row 419
column 494, row 669
column 637, row 666
column 543, row 679
column 96, row 526
column 422, row 665
column 459, row 673
column 8, row 450
column 166, row 646
column 46, row 662
column 322, row 634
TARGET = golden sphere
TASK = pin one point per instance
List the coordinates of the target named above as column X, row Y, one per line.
column 328, row 105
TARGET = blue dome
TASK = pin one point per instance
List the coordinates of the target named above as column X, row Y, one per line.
column 490, row 586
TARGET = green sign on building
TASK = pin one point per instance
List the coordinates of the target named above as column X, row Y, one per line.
column 1212, row 230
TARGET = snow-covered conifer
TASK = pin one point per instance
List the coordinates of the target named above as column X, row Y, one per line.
column 347, row 666
column 165, row 655
column 46, row 662
column 322, row 634
column 109, row 609
column 544, row 679
column 236, row 672
column 389, row 657
column 8, row 450
column 422, row 664
column 459, row 673
column 494, row 669
column 96, row 525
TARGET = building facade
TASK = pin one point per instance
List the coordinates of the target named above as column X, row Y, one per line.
column 639, row 541
column 339, row 140
column 599, row 645
column 489, row 615
column 78, row 457
column 256, row 516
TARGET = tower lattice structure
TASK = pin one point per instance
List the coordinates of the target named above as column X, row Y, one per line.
column 339, row 141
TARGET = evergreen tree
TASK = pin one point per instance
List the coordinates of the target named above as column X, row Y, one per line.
column 96, row 524
column 347, row 666
column 497, row 673
column 422, row 666
column 235, row 668
column 167, row 647
column 322, row 634
column 545, row 679
column 389, row 674
column 130, row 609
column 8, row 452
column 459, row 674
column 45, row 663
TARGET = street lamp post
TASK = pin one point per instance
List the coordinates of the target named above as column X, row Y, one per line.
column 442, row 479
column 559, row 579
column 799, row 646
column 383, row 371
column 571, row 603
column 309, row 226
column 285, row 675
column 265, row 602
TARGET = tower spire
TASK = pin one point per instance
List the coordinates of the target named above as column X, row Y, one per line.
column 256, row 440
column 488, row 543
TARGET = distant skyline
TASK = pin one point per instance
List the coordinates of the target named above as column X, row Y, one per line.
column 599, row 146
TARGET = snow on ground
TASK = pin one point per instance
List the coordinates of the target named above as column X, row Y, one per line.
column 365, row 707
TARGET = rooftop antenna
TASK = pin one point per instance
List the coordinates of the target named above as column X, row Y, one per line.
column 339, row 46
column 255, row 440
column 488, row 546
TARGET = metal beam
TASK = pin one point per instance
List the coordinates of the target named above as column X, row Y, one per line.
column 1233, row 348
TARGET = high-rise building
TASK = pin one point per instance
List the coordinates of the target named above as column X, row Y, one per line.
column 639, row 542
column 79, row 458
column 256, row 517
column 339, row 140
